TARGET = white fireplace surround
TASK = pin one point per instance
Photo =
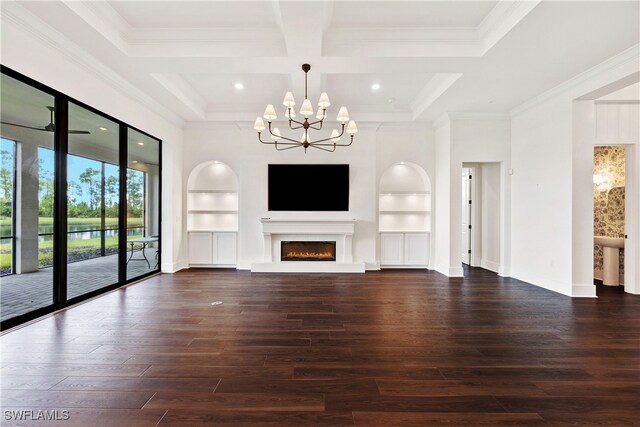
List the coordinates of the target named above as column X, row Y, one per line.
column 276, row 231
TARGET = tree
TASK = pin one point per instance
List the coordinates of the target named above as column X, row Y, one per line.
column 111, row 195
column 45, row 188
column 6, row 182
column 92, row 179
column 135, row 193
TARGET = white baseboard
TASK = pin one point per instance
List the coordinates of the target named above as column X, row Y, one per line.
column 308, row 267
column 490, row 265
column 583, row 291
column 456, row 272
column 171, row 268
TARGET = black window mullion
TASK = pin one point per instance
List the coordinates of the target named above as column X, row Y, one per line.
column 122, row 202
column 61, row 148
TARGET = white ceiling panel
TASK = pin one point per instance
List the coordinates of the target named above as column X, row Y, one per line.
column 258, row 90
column 438, row 14
column 196, row 14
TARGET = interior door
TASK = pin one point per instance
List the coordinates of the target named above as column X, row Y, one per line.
column 466, row 216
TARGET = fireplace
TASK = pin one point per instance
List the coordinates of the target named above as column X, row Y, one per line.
column 307, row 251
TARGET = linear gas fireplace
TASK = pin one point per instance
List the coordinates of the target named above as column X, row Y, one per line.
column 307, row 251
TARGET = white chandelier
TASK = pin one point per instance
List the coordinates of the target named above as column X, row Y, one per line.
column 282, row 143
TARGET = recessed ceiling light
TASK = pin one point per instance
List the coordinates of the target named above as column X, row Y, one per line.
column 239, row 86
column 140, row 143
column 102, row 128
column 375, row 86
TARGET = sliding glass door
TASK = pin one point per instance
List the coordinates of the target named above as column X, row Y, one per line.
column 93, row 187
column 79, row 201
column 143, row 204
column 26, row 198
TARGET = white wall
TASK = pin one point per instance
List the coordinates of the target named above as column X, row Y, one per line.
column 467, row 138
column 63, row 68
column 490, row 216
column 372, row 152
column 552, row 195
column 442, row 196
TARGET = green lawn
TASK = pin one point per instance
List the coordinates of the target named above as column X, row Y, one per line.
column 76, row 248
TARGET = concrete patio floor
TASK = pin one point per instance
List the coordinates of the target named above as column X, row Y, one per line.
column 22, row 293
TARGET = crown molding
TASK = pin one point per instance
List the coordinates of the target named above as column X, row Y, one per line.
column 478, row 115
column 627, row 57
column 432, row 91
column 429, row 42
column 501, row 19
column 15, row 14
column 183, row 91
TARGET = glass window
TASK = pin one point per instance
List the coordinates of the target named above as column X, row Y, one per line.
column 143, row 204
column 27, row 194
column 7, row 201
column 92, row 202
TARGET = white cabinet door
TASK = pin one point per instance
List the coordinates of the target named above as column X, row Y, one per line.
column 391, row 249
column 416, row 249
column 224, row 249
column 200, row 248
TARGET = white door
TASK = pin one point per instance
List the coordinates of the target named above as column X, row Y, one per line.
column 200, row 248
column 416, row 249
column 224, row 249
column 466, row 215
column 391, row 249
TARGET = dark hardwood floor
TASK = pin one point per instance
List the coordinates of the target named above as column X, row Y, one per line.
column 382, row 348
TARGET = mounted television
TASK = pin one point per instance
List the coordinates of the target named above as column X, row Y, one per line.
column 308, row 188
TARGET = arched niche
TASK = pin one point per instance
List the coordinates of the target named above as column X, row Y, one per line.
column 212, row 198
column 212, row 175
column 405, row 199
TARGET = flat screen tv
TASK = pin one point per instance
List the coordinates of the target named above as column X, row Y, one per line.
column 308, row 188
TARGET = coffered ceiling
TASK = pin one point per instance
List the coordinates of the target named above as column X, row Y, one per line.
column 427, row 57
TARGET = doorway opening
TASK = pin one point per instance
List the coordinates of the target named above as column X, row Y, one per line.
column 608, row 215
column 481, row 224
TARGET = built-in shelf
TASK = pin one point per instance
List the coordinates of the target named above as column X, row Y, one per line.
column 412, row 211
column 404, row 193
column 212, row 215
column 212, row 192
column 213, row 211
column 403, row 231
column 211, row 230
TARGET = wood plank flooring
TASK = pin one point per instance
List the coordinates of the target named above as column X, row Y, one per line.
column 406, row 348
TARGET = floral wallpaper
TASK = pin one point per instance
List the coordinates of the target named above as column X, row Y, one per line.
column 608, row 202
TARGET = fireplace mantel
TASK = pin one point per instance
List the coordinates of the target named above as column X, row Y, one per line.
column 274, row 231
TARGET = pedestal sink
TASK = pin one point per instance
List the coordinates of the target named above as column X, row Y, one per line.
column 611, row 258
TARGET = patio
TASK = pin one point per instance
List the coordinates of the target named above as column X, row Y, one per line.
column 21, row 293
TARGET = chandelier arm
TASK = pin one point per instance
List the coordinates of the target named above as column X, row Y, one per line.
column 275, row 142
column 293, row 141
column 296, row 122
column 264, row 142
column 290, row 146
column 324, row 149
column 336, row 143
column 320, row 128
column 295, row 128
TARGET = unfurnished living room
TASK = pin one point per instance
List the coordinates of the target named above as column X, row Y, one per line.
column 291, row 213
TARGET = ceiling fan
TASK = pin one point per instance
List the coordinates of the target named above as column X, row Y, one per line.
column 51, row 127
